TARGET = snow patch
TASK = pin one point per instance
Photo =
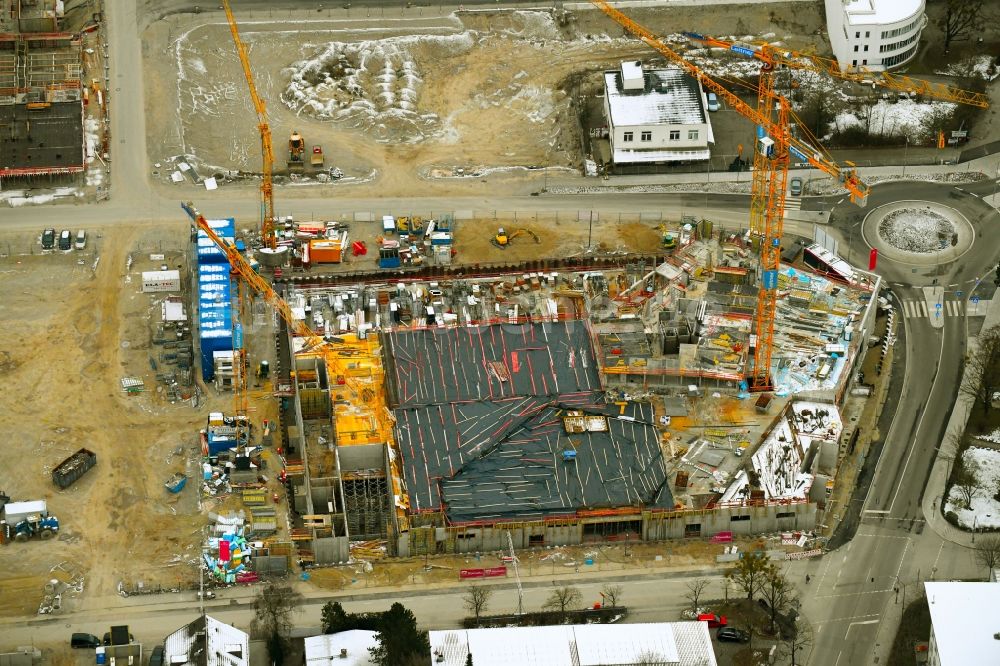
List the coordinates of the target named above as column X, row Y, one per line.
column 984, row 511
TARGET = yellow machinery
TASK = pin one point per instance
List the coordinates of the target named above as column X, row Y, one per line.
column 502, row 239
column 774, row 146
column 266, row 181
column 296, row 146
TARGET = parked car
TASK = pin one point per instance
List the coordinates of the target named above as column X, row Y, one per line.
column 84, row 640
column 66, row 240
column 795, row 187
column 156, row 656
column 732, row 635
column 713, row 102
column 48, row 239
column 714, row 621
column 81, row 239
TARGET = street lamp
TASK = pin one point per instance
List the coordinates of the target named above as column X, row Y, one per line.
column 906, row 152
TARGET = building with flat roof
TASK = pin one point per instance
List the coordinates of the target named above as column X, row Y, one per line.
column 652, row 644
column 874, row 34
column 655, row 116
column 345, row 648
column 964, row 625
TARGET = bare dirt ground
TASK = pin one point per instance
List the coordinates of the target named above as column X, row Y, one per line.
column 70, row 333
column 394, row 104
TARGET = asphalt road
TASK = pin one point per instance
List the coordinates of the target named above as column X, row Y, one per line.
column 854, row 600
column 852, row 596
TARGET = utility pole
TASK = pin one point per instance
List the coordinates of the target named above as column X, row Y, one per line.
column 517, row 575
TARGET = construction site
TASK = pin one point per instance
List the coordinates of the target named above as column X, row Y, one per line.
column 318, row 394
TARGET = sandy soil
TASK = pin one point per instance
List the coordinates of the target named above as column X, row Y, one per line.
column 477, row 90
column 70, row 334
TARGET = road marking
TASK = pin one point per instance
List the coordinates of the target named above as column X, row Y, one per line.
column 882, row 536
column 850, row 619
column 923, row 308
column 913, row 447
column 854, row 624
column 850, row 594
column 876, row 511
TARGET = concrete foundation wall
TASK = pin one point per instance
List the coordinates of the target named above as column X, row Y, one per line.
column 361, row 456
column 331, row 550
column 654, row 527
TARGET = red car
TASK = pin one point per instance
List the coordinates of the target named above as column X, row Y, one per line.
column 714, row 621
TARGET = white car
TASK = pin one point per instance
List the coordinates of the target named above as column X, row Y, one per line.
column 713, row 102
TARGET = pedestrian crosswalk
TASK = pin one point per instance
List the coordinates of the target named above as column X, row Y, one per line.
column 793, row 203
column 921, row 308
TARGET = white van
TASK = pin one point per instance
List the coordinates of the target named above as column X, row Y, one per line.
column 81, row 239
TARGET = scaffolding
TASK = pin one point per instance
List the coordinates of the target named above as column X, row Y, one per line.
column 366, row 496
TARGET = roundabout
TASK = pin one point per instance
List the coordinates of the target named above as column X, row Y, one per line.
column 918, row 232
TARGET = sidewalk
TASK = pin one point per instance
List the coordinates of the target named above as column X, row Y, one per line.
column 933, row 493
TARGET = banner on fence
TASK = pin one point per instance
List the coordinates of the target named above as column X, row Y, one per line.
column 492, row 572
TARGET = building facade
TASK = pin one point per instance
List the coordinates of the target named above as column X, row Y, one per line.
column 875, row 34
column 655, row 116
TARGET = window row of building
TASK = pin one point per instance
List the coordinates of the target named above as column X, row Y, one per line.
column 888, row 34
column 675, row 135
column 895, row 46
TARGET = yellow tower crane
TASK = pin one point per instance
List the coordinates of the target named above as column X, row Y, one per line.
column 774, row 145
column 267, row 167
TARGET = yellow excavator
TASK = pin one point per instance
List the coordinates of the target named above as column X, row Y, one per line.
column 502, row 239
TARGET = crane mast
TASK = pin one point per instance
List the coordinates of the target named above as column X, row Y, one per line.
column 774, row 147
column 267, row 167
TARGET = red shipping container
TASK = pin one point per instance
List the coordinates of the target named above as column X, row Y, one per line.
column 223, row 550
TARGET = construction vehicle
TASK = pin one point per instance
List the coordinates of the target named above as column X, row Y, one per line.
column 23, row 520
column 267, row 151
column 296, row 146
column 68, row 471
column 668, row 238
column 502, row 239
column 774, row 145
column 317, row 160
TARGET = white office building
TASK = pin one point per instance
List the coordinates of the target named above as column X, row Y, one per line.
column 655, row 116
column 964, row 625
column 874, row 34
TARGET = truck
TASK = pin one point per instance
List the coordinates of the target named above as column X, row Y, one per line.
column 22, row 520
column 68, row 471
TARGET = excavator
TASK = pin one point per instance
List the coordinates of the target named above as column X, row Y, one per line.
column 296, row 146
column 502, row 239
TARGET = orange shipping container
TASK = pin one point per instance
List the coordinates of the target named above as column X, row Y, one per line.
column 325, row 251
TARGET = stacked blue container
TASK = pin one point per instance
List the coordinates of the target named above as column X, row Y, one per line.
column 215, row 312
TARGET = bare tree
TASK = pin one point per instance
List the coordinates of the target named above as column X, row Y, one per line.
column 476, row 599
column 562, row 598
column 651, row 658
column 776, row 591
column 982, row 369
column 749, row 572
column 612, row 594
column 961, row 19
column 796, row 640
column 988, row 552
column 273, row 608
column 965, row 479
column 696, row 588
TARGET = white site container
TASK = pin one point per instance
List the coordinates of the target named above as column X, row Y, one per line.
column 161, row 281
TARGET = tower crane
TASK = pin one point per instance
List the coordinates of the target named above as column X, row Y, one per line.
column 267, row 169
column 334, row 355
column 775, row 144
